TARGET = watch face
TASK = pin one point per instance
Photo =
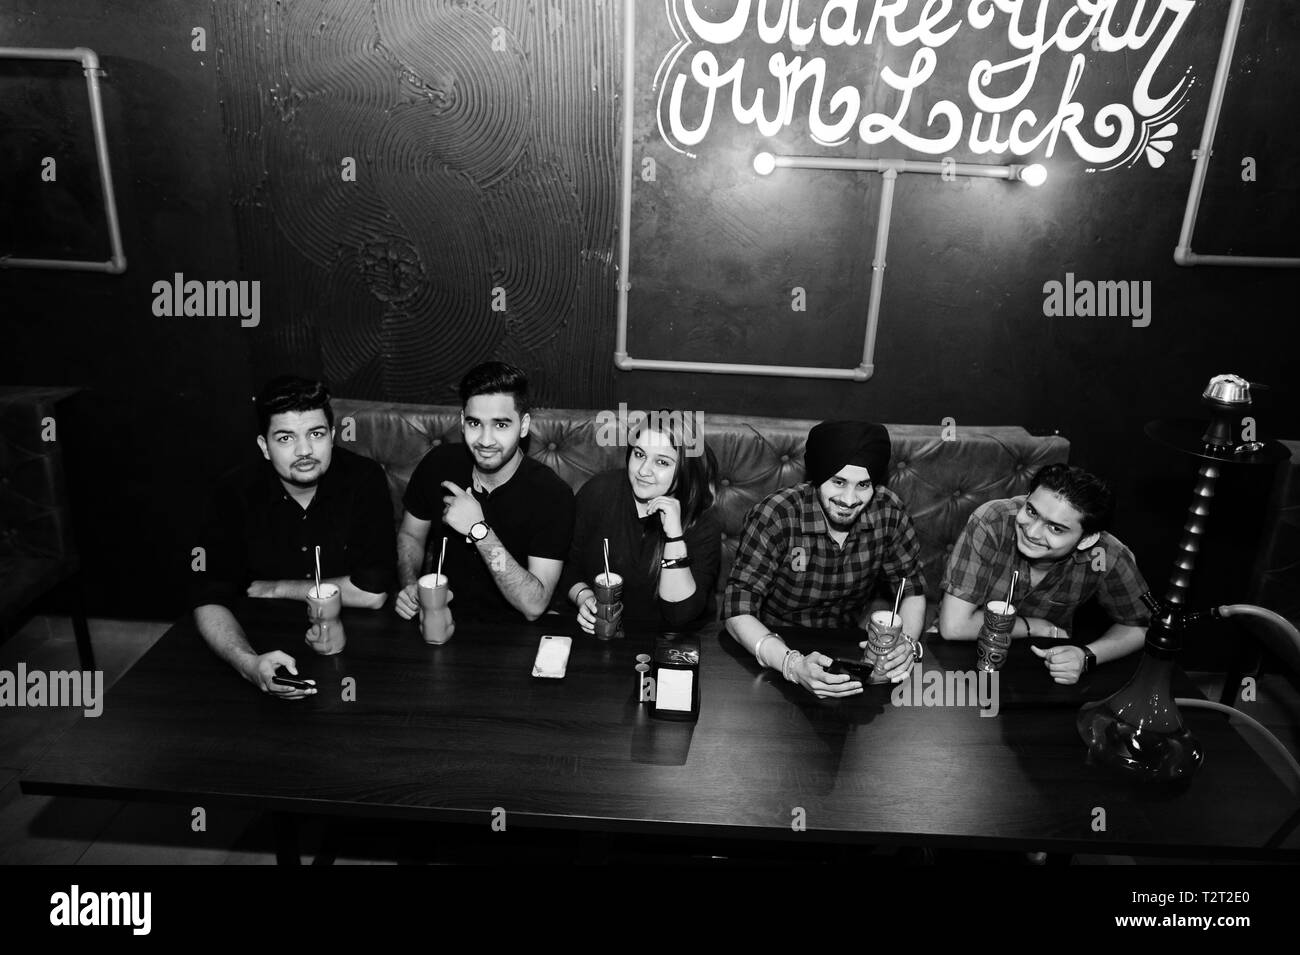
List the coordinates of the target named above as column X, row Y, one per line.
column 478, row 531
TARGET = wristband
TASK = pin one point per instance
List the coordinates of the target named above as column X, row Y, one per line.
column 758, row 648
column 671, row 563
column 1028, row 632
column 1089, row 660
column 673, row 540
column 584, row 589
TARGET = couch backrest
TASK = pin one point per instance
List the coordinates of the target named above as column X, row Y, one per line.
column 940, row 481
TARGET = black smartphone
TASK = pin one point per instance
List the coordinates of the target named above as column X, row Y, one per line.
column 858, row 669
column 284, row 678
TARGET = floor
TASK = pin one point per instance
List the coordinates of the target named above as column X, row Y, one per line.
column 36, row 830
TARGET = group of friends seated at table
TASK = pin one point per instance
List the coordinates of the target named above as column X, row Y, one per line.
column 518, row 543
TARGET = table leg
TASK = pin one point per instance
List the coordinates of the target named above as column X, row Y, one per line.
column 285, row 827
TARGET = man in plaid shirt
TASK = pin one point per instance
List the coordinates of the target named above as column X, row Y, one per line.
column 1056, row 538
column 811, row 556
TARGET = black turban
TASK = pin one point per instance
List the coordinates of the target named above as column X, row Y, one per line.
column 835, row 444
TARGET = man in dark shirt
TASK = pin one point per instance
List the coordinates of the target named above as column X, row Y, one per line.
column 811, row 556
column 1056, row 538
column 265, row 522
column 508, row 519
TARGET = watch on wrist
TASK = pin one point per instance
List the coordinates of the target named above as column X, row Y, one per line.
column 478, row 531
column 1089, row 660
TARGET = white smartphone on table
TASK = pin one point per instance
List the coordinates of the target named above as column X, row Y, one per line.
column 552, row 657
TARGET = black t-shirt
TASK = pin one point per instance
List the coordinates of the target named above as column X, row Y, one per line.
column 532, row 514
column 255, row 531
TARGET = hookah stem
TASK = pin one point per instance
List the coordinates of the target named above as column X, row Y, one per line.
column 1189, row 545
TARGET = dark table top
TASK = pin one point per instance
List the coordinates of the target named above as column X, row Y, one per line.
column 453, row 732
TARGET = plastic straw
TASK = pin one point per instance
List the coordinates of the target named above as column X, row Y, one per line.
column 898, row 599
column 441, row 554
column 318, row 593
column 1015, row 575
column 608, row 578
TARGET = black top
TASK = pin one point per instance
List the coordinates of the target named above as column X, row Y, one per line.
column 255, row 531
column 607, row 508
column 532, row 514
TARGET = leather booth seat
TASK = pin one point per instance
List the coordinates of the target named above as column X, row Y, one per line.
column 940, row 481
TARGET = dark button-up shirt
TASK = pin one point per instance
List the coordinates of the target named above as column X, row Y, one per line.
column 255, row 531
column 789, row 570
column 985, row 554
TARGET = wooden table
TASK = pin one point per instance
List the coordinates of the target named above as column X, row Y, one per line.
column 451, row 733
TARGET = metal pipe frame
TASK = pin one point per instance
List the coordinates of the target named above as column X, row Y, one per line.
column 888, row 169
column 1183, row 254
column 90, row 67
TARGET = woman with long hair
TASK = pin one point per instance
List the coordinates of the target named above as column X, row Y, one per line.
column 664, row 537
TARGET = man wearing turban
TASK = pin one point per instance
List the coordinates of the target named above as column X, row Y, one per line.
column 813, row 555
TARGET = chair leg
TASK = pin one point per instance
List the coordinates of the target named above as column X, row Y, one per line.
column 80, row 626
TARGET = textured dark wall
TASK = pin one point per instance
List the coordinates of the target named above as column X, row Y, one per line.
column 482, row 214
column 482, row 168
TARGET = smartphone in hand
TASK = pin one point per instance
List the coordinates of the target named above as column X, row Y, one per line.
column 858, row 669
column 284, row 678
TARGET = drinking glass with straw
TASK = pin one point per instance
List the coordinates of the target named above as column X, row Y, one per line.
column 609, row 601
column 324, row 603
column 994, row 641
column 884, row 630
column 436, row 624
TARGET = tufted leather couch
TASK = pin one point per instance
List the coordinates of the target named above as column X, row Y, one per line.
column 940, row 481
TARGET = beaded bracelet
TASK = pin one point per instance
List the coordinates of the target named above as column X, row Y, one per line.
column 787, row 665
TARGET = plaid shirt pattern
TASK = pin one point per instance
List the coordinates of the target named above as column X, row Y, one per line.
column 788, row 571
column 980, row 567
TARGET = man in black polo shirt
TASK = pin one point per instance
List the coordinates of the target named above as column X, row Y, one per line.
column 265, row 522
column 508, row 519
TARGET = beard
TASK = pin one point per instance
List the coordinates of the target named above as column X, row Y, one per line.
column 304, row 479
column 499, row 461
column 841, row 525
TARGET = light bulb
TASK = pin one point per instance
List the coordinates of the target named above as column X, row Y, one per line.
column 1034, row 175
column 764, row 163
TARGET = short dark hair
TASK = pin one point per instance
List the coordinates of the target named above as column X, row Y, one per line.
column 496, row 378
column 291, row 393
column 1085, row 492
